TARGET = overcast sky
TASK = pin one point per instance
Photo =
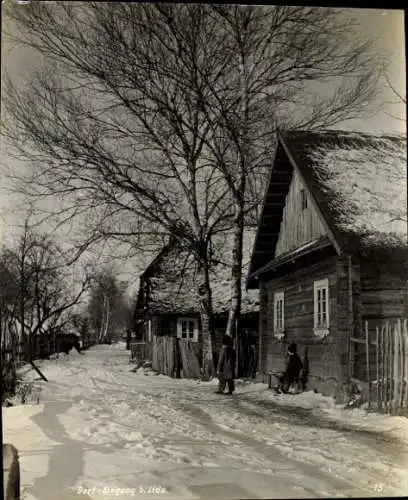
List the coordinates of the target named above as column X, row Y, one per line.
column 386, row 26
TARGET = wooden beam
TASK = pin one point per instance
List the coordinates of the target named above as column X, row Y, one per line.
column 273, row 204
column 286, row 172
column 279, row 184
column 361, row 341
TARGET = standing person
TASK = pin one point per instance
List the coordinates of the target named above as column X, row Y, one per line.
column 128, row 339
column 226, row 366
column 293, row 369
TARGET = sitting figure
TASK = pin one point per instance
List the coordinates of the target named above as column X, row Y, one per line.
column 226, row 366
column 292, row 372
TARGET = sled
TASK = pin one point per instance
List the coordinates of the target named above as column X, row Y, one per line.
column 294, row 388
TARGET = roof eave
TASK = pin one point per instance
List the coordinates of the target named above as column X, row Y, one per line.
column 262, row 209
column 293, row 256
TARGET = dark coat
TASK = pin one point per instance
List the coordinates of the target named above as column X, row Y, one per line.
column 293, row 368
column 226, row 363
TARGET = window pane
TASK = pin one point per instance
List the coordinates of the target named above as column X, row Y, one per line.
column 280, row 315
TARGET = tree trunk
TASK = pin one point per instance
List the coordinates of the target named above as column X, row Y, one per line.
column 233, row 325
column 206, row 315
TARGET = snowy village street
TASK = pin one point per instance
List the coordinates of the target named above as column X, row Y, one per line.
column 103, row 431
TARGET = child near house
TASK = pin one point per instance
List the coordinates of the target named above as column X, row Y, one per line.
column 226, row 366
column 292, row 371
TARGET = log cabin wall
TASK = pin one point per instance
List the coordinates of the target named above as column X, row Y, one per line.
column 349, row 322
column 300, row 221
column 383, row 292
column 298, row 287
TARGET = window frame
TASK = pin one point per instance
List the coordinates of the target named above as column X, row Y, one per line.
column 278, row 319
column 321, row 306
column 188, row 320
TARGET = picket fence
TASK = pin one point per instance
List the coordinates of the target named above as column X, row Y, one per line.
column 387, row 368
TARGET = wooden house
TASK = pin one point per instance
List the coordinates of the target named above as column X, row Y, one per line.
column 168, row 306
column 330, row 252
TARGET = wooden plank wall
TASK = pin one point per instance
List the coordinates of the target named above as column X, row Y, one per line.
column 383, row 293
column 344, row 329
column 324, row 356
column 298, row 226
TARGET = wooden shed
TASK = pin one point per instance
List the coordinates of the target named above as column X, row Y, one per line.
column 330, row 255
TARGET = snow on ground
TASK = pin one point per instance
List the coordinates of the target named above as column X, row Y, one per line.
column 104, row 431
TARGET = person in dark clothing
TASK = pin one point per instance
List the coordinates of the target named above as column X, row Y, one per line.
column 128, row 339
column 293, row 369
column 226, row 366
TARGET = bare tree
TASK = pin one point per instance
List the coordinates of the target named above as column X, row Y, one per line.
column 275, row 58
column 400, row 98
column 107, row 307
column 155, row 119
column 8, row 335
column 119, row 137
column 42, row 293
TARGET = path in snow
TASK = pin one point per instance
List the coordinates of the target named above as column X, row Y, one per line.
column 102, row 427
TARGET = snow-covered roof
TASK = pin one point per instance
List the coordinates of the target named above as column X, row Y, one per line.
column 359, row 181
column 173, row 280
column 359, row 184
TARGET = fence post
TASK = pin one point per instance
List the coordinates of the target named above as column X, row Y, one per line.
column 377, row 339
column 390, row 369
column 405, row 402
column 386, row 356
column 383, row 367
column 402, row 366
column 368, row 363
column 395, row 366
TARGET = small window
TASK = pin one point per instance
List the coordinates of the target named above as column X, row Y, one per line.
column 187, row 329
column 303, row 195
column 321, row 305
column 278, row 312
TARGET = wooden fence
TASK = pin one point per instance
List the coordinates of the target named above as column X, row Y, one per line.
column 190, row 366
column 163, row 355
column 175, row 357
column 386, row 367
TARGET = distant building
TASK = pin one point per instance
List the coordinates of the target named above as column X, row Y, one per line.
column 168, row 304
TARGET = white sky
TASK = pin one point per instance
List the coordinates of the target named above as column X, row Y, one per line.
column 386, row 26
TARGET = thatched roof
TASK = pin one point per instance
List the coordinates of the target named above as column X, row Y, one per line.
column 359, row 184
column 173, row 280
column 361, row 180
